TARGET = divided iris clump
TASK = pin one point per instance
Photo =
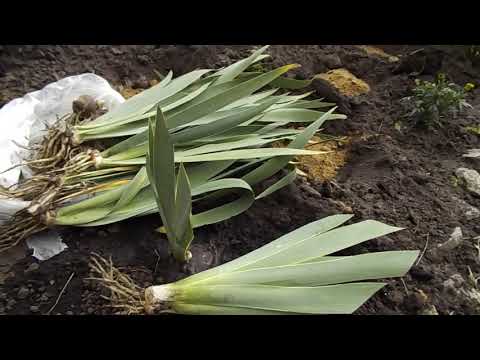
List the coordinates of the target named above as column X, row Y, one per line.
column 220, row 125
column 206, row 138
column 299, row 273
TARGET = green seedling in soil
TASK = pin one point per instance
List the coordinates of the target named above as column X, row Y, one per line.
column 473, row 129
column 434, row 102
column 455, row 181
column 398, row 126
column 299, row 273
column 173, row 193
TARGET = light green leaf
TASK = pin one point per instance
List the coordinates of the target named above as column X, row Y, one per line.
column 333, row 299
column 372, row 266
column 301, row 234
column 235, row 69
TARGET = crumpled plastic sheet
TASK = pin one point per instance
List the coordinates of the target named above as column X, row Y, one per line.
column 46, row 245
column 23, row 122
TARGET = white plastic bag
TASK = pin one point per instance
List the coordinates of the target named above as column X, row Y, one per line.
column 23, row 121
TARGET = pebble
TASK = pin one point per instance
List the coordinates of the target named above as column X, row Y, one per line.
column 455, row 240
column 52, row 282
column 43, row 298
column 332, row 61
column 117, row 51
column 23, row 293
column 431, row 310
column 34, row 308
column 459, row 280
column 470, row 211
column 471, row 178
column 69, row 313
column 473, row 154
column 90, row 310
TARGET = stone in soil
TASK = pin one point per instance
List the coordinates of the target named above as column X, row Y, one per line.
column 332, row 61
column 470, row 212
column 345, row 82
column 23, row 293
column 455, row 240
column 473, row 154
column 371, row 50
column 471, row 178
column 430, row 310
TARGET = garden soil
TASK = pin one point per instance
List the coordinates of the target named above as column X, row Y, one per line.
column 387, row 171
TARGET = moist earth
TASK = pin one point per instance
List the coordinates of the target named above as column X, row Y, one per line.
column 394, row 173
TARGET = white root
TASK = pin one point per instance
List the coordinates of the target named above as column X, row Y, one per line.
column 97, row 159
column 158, row 298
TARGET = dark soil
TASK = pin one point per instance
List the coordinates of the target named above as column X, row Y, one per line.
column 400, row 177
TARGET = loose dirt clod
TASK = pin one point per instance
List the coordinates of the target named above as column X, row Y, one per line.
column 345, row 82
column 471, row 178
column 372, row 50
column 324, row 167
column 454, row 241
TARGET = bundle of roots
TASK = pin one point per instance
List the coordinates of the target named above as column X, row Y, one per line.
column 21, row 226
column 56, row 158
column 125, row 296
column 59, row 153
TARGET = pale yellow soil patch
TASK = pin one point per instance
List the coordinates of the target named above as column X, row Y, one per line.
column 345, row 82
column 372, row 50
column 324, row 167
column 128, row 92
